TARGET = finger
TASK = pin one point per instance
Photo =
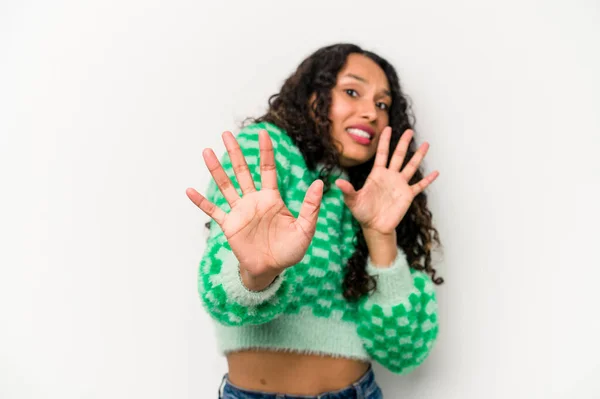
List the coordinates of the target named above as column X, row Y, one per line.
column 207, row 207
column 347, row 189
column 400, row 151
column 383, row 147
column 268, row 171
column 419, row 187
column 309, row 212
column 412, row 166
column 239, row 164
column 221, row 178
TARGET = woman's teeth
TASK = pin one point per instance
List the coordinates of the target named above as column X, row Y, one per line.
column 359, row 132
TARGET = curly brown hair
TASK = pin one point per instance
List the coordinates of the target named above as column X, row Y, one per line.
column 307, row 123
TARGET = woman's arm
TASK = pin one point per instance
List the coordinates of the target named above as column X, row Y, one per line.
column 398, row 323
column 229, row 293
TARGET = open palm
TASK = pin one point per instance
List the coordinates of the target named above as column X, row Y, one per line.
column 386, row 195
column 263, row 234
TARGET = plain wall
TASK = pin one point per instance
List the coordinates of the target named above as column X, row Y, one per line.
column 106, row 106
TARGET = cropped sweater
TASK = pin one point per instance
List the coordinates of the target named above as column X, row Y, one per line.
column 303, row 309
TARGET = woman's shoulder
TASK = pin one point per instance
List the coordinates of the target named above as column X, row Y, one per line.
column 255, row 127
column 282, row 142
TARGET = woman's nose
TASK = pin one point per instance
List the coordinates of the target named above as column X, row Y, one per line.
column 368, row 110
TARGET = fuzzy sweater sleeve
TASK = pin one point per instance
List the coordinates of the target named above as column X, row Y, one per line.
column 398, row 323
column 223, row 294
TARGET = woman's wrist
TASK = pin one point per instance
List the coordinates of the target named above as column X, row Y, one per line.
column 256, row 283
column 383, row 247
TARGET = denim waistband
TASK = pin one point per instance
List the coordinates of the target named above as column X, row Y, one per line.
column 361, row 386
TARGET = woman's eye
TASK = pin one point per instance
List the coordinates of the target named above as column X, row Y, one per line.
column 351, row 92
column 383, row 106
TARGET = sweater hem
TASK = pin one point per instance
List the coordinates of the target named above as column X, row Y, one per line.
column 300, row 333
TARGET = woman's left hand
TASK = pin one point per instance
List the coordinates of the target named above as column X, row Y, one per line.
column 384, row 199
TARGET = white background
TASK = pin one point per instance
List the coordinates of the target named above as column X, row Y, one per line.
column 105, row 107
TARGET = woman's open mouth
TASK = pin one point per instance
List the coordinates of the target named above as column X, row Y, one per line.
column 359, row 135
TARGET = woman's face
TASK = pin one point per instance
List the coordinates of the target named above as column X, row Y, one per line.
column 359, row 109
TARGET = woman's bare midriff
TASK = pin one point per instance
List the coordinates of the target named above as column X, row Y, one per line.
column 292, row 373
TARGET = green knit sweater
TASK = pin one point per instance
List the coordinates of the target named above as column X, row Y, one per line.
column 303, row 310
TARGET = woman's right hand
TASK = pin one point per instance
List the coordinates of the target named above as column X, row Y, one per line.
column 262, row 232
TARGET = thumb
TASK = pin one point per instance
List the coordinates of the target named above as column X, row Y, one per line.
column 309, row 212
column 347, row 189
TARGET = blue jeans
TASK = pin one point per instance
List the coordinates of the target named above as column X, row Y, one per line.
column 364, row 388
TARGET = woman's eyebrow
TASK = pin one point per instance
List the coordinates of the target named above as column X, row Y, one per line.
column 361, row 79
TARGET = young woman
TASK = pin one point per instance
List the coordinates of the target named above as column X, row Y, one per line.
column 319, row 255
